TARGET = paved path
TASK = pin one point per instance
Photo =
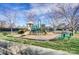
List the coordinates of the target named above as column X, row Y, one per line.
column 35, row 50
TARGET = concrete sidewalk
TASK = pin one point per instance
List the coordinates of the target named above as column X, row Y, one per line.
column 35, row 50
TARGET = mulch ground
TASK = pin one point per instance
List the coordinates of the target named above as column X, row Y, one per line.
column 48, row 36
column 76, row 36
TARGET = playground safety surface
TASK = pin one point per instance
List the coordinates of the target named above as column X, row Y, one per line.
column 48, row 36
column 76, row 36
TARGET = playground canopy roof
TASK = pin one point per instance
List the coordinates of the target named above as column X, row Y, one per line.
column 30, row 22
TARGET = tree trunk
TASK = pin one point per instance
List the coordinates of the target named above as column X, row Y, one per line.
column 11, row 30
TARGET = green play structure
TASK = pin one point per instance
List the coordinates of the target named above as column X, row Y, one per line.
column 37, row 28
column 65, row 35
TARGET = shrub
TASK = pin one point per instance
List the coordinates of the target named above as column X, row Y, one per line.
column 5, row 33
column 21, row 31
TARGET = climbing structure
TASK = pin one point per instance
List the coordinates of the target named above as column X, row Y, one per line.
column 35, row 29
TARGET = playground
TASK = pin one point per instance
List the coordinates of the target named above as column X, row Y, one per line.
column 40, row 36
column 41, row 32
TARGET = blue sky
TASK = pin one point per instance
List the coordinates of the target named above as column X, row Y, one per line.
column 17, row 7
column 23, row 9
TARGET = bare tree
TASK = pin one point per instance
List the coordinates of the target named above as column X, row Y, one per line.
column 10, row 18
column 72, row 18
column 2, row 24
column 29, row 16
column 54, row 18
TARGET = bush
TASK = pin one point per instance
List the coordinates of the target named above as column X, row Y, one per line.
column 21, row 31
column 9, row 36
column 5, row 33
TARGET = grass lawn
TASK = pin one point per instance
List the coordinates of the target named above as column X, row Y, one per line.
column 71, row 45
